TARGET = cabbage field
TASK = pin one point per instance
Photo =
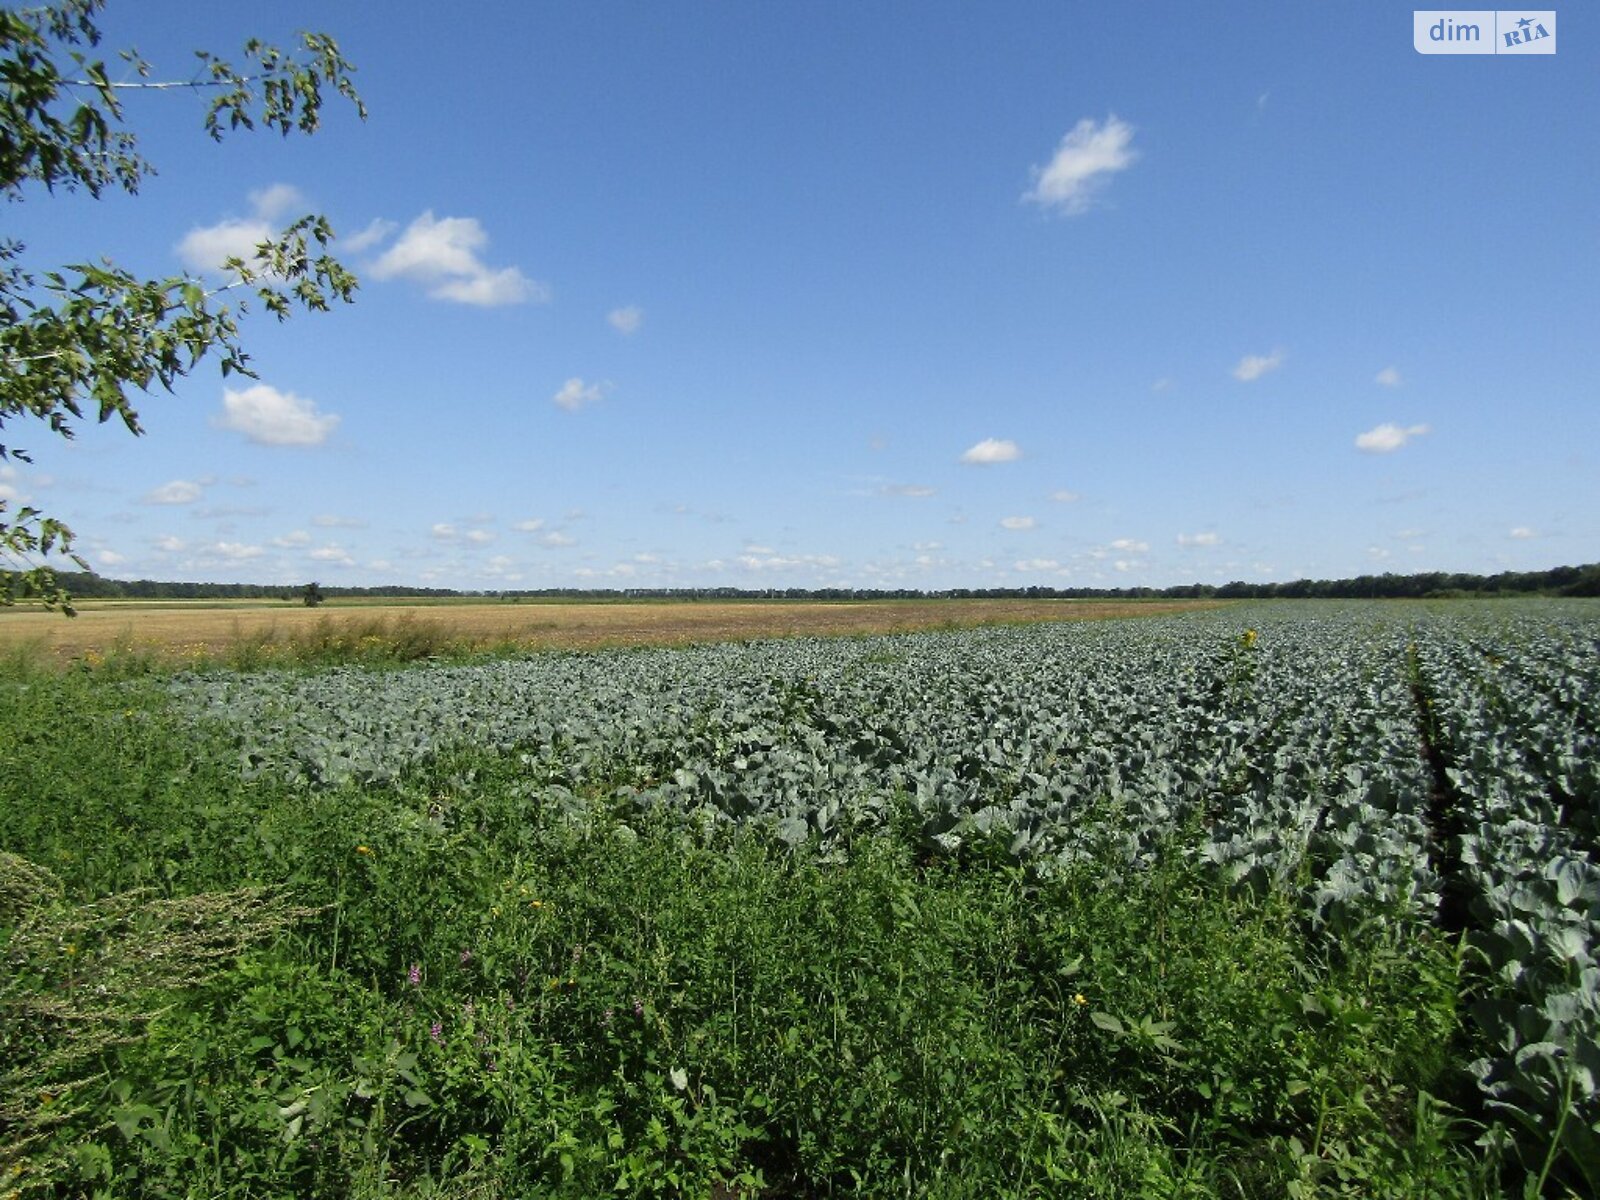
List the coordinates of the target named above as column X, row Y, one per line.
column 1271, row 900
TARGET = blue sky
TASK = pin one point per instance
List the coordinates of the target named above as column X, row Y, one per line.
column 875, row 295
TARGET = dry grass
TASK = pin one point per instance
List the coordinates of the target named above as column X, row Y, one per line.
column 178, row 631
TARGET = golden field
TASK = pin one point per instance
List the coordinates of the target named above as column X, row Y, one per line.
column 195, row 629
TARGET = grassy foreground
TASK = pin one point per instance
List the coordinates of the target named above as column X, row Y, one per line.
column 435, row 988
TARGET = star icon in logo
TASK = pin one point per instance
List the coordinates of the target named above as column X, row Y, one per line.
column 1525, row 22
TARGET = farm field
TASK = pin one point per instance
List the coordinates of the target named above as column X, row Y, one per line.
column 1255, row 901
column 176, row 630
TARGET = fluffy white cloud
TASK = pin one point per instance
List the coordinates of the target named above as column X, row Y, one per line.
column 376, row 231
column 1130, row 546
column 1016, row 522
column 1037, row 564
column 1063, row 496
column 1199, row 539
column 626, row 320
column 555, row 539
column 531, row 525
column 443, row 531
column 179, row 491
column 574, row 394
column 1522, row 531
column 332, row 554
column 206, row 247
column 1253, row 366
column 170, row 544
column 269, row 417
column 298, row 537
column 1084, row 162
column 1388, row 377
column 110, row 558
column 992, row 450
column 1387, row 438
column 442, row 254
column 478, row 537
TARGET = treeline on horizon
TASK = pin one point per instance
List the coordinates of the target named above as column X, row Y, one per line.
column 1558, row 581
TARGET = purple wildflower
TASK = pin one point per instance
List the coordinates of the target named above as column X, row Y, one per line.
column 638, row 1007
column 436, row 1032
column 466, row 957
column 414, row 975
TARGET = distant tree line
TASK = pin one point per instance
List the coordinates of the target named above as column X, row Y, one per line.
column 1558, row 581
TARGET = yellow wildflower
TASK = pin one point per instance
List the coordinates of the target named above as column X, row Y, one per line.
column 363, row 849
column 1079, row 999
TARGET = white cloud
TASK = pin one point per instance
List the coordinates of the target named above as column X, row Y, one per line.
column 443, row 255
column 298, row 537
column 478, row 537
column 232, row 551
column 269, row 417
column 1253, row 366
column 1125, row 564
column 1199, row 539
column 330, row 521
column 992, row 450
column 556, row 539
column 1130, row 546
column 1037, row 564
column 1083, row 164
column 110, row 558
column 1522, row 531
column 1016, row 522
column 179, row 491
column 332, row 554
column 626, row 320
column 170, row 544
column 206, row 247
column 1063, row 496
column 376, row 231
column 277, row 201
column 574, row 394
column 926, row 546
column 531, row 525
column 916, row 491
column 1388, row 377
column 759, row 550
column 1387, row 438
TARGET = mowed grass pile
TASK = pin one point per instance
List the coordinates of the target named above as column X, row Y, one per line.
column 437, row 988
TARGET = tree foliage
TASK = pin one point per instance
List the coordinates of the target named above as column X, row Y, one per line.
column 93, row 336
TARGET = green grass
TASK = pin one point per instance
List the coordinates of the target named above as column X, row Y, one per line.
column 603, row 1008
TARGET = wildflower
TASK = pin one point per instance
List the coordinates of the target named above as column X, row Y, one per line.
column 638, row 1007
column 1079, row 1000
column 535, row 903
column 414, row 975
column 363, row 849
column 466, row 957
column 436, row 1032
column 71, row 950
column 605, row 1018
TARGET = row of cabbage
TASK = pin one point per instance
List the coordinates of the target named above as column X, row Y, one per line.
column 1515, row 707
column 1279, row 745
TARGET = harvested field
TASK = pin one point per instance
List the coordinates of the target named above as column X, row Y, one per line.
column 191, row 629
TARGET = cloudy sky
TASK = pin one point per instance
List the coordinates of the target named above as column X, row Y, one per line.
column 898, row 295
